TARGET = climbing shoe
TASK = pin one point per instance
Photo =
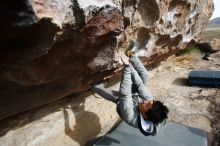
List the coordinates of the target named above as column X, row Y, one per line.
column 131, row 52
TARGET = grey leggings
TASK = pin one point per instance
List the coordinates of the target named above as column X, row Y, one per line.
column 139, row 75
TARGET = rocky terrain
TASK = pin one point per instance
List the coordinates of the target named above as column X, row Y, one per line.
column 52, row 52
column 78, row 119
column 190, row 105
column 51, row 49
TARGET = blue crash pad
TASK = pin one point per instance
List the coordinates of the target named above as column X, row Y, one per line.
column 204, row 78
column 171, row 134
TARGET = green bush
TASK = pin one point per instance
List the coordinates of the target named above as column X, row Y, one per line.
column 191, row 50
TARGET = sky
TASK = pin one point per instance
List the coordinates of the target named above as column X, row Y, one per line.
column 217, row 9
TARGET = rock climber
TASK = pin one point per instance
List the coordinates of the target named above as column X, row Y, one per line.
column 135, row 105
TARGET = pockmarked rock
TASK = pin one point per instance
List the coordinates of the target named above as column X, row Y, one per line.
column 51, row 48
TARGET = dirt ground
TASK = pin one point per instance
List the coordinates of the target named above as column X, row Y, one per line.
column 190, row 105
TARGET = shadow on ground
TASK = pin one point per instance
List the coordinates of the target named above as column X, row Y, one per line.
column 87, row 124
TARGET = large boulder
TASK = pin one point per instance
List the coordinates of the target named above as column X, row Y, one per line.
column 52, row 48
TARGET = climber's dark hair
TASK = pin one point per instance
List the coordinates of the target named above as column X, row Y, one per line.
column 157, row 113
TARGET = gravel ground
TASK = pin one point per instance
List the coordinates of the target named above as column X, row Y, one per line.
column 193, row 106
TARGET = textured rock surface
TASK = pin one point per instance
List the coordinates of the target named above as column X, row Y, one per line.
column 52, row 48
column 77, row 119
column 69, row 122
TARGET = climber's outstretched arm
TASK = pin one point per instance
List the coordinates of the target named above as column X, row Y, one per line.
column 142, row 90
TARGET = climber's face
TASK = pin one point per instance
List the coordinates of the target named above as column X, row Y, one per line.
column 145, row 106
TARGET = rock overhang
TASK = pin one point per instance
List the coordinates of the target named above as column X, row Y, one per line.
column 52, row 48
